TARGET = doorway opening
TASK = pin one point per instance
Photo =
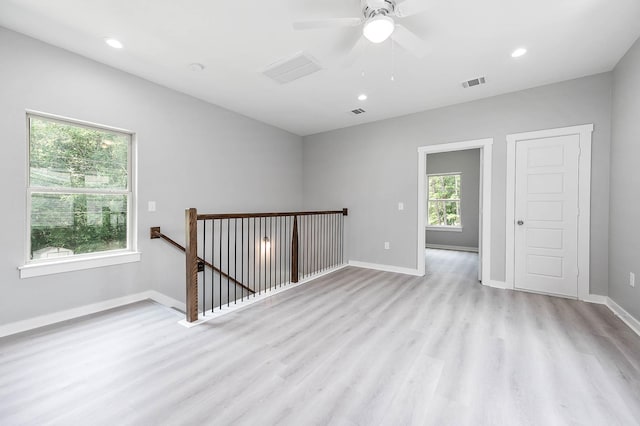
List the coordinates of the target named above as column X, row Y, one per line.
column 484, row 210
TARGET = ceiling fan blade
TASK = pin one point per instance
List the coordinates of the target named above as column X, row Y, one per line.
column 356, row 51
column 411, row 7
column 327, row 23
column 409, row 41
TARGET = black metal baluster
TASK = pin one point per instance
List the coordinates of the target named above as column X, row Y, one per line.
column 254, row 256
column 308, row 248
column 213, row 262
column 235, row 260
column 323, row 233
column 274, row 253
column 287, row 252
column 220, row 263
column 204, row 272
column 242, row 256
column 282, row 219
column 270, row 254
column 279, row 255
column 267, row 258
column 342, row 240
column 279, row 252
column 260, row 259
column 228, row 263
column 310, row 217
column 335, row 239
column 329, row 241
column 321, row 241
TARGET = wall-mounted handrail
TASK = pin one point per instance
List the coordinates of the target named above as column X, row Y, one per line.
column 264, row 251
column 156, row 233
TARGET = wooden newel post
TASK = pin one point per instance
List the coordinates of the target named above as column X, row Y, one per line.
column 191, row 251
column 294, row 251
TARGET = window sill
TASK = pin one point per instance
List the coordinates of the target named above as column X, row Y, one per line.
column 443, row 228
column 77, row 264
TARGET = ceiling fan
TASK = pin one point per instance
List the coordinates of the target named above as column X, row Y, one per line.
column 378, row 23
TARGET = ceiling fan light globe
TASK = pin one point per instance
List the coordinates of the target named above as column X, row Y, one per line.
column 378, row 29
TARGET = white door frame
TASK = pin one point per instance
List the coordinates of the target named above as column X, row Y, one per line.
column 584, row 202
column 485, row 146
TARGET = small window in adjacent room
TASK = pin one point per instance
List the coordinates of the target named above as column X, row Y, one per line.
column 79, row 194
column 443, row 201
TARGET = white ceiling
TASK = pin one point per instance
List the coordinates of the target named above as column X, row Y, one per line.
column 236, row 40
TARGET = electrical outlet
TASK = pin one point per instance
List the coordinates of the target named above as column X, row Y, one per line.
column 632, row 279
column 387, row 246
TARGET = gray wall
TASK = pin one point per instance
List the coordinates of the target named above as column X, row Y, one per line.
column 624, row 232
column 466, row 162
column 369, row 168
column 191, row 154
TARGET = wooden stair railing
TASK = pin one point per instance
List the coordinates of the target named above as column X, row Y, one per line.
column 261, row 252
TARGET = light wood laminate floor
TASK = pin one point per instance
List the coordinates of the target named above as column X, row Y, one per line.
column 358, row 347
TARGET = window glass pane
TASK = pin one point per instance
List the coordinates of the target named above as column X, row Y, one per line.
column 449, row 187
column 434, row 218
column 68, row 224
column 452, row 213
column 442, row 213
column 69, row 156
column 434, row 186
column 443, row 200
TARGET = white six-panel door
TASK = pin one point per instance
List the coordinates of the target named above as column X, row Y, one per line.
column 546, row 215
column 549, row 192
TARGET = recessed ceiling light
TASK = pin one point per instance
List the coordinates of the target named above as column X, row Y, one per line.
column 196, row 67
column 113, row 43
column 362, row 97
column 520, row 51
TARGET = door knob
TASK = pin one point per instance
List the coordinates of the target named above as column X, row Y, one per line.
column 520, row 222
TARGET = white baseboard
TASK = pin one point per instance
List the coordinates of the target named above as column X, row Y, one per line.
column 48, row 319
column 497, row 284
column 595, row 298
column 456, row 248
column 386, row 268
column 625, row 316
column 165, row 300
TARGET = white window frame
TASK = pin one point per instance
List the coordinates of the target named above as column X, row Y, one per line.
column 446, row 228
column 39, row 267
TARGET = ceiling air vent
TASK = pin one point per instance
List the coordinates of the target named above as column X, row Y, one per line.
column 358, row 111
column 292, row 68
column 474, row 82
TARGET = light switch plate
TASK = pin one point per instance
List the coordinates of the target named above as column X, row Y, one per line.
column 401, row 206
column 152, row 206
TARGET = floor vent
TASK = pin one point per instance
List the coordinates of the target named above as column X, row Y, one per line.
column 292, row 68
column 358, row 111
column 474, row 82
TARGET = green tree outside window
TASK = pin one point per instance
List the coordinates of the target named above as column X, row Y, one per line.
column 79, row 188
column 443, row 200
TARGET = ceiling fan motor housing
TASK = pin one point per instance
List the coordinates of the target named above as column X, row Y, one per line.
column 372, row 8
